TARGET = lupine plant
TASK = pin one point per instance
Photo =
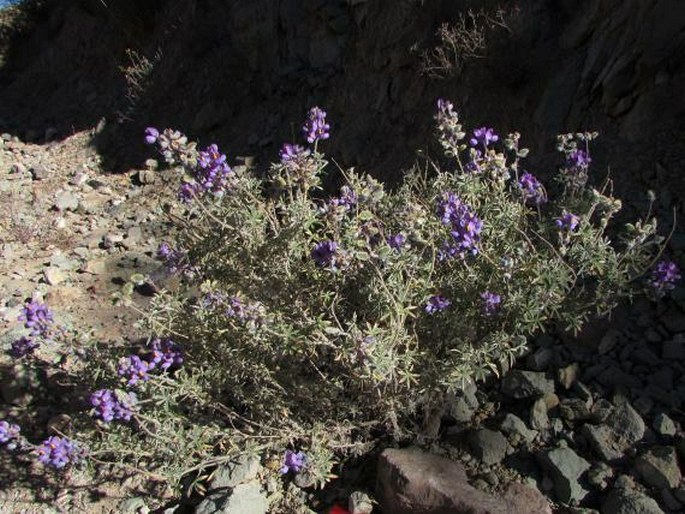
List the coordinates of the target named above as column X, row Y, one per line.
column 307, row 325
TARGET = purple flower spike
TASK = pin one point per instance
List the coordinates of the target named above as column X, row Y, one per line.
column 664, row 277
column 533, row 192
column 491, row 302
column 37, row 317
column 397, row 241
column 293, row 461
column 578, row 160
column 292, row 153
column 165, row 354
column 9, row 434
column 437, row 303
column 316, row 128
column 134, row 369
column 113, row 405
column 151, row 135
column 568, row 222
column 58, row 452
column 483, row 136
column 324, row 253
column 465, row 227
column 23, row 346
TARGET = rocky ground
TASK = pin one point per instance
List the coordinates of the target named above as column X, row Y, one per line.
column 594, row 423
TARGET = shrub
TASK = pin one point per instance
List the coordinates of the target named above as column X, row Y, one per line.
column 307, row 326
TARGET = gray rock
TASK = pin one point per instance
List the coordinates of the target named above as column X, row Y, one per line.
column 412, row 482
column 360, row 503
column 609, row 341
column 599, row 475
column 664, row 425
column 39, row 172
column 526, row 384
column 134, row 506
column 670, row 501
column 568, row 375
column 539, row 420
column 246, row 498
column 147, row 176
column 566, row 469
column 54, row 276
column 488, row 446
column 658, row 467
column 66, row 201
column 540, row 359
column 623, row 428
column 574, row 409
column 462, row 405
column 243, row 469
column 629, row 501
column 513, row 425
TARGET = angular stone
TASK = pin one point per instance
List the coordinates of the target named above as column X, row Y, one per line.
column 66, row 201
column 39, row 172
column 54, row 276
column 488, row 446
column 513, row 425
column 629, row 501
column 412, row 482
column 526, row 384
column 623, row 428
column 664, row 425
column 566, row 469
column 539, row 420
column 246, row 498
column 659, row 467
column 540, row 359
column 569, row 375
column 360, row 503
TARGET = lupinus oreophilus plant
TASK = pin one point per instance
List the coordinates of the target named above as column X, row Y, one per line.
column 309, row 325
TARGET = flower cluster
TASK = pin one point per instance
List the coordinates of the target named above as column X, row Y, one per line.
column 9, row 434
column 437, row 303
column 111, row 405
column 134, row 369
column 58, row 452
column 449, row 128
column 397, row 241
column 324, row 254
column 568, row 222
column 165, row 354
column 491, row 302
column 315, row 127
column 578, row 161
column 483, row 136
column 293, row 461
column 532, row 190
column 234, row 307
column 171, row 144
column 664, row 276
column 465, row 226
column 176, row 260
column 293, row 155
column 37, row 317
column 23, row 346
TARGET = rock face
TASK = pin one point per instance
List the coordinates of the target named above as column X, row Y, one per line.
column 412, row 482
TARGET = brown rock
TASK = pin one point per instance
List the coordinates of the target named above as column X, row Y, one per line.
column 412, row 482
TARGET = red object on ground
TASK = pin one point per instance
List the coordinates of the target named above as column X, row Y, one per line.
column 337, row 509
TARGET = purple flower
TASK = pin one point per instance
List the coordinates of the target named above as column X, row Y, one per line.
column 324, row 253
column 165, row 354
column 664, row 276
column 134, row 369
column 578, row 160
column 151, row 135
column 315, row 127
column 491, row 302
column 23, row 346
column 397, row 241
column 212, row 172
column 112, row 405
column 187, row 191
column 9, row 434
column 465, row 226
column 176, row 261
column 568, row 222
column 437, row 303
column 347, row 198
column 532, row 189
column 293, row 153
column 58, row 452
column 37, row 317
column 293, row 461
column 483, row 136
